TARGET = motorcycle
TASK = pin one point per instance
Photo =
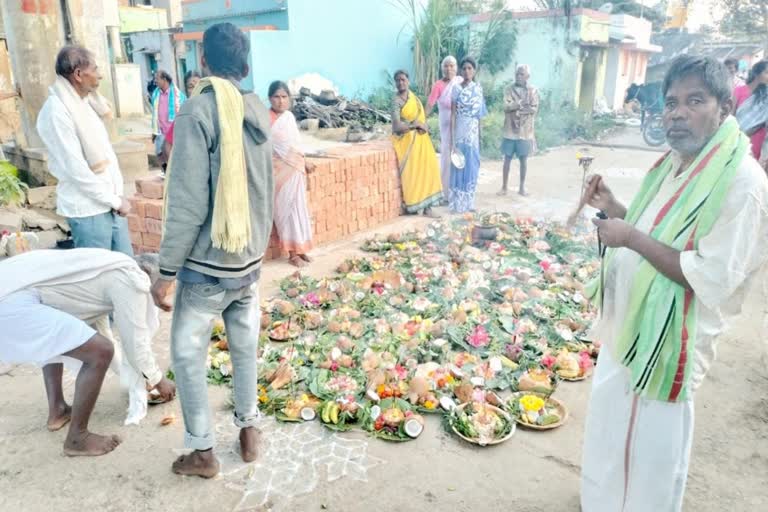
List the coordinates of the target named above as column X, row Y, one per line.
column 653, row 129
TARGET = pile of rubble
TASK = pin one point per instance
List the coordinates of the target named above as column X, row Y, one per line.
column 35, row 226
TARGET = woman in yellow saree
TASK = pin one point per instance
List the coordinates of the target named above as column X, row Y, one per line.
column 416, row 157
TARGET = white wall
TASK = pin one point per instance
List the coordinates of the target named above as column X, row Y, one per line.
column 129, row 90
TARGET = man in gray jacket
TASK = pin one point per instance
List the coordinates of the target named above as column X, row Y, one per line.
column 216, row 278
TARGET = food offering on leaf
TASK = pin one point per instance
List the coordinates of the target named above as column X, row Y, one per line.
column 540, row 380
column 219, row 335
column 537, row 411
column 429, row 323
column 311, row 320
column 573, row 366
column 481, row 423
column 421, row 394
column 328, row 384
column 281, row 376
column 393, row 419
column 301, row 408
column 284, row 330
column 219, row 364
column 340, row 414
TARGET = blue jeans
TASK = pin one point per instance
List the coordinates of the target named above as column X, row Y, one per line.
column 103, row 231
column 196, row 306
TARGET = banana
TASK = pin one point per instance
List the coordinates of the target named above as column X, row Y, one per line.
column 335, row 413
column 326, row 411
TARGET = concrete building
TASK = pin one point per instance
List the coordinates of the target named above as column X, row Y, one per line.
column 353, row 43
column 149, row 14
column 9, row 114
column 630, row 48
column 567, row 57
column 35, row 33
column 152, row 50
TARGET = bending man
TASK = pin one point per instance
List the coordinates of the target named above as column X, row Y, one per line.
column 46, row 300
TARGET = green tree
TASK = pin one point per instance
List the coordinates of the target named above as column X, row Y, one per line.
column 431, row 26
column 745, row 18
column 437, row 31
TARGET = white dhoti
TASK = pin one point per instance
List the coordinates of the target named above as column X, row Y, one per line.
column 636, row 451
column 35, row 333
column 48, row 297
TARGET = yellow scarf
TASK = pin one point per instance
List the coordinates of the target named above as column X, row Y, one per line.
column 231, row 223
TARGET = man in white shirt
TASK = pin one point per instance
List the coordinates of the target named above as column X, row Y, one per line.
column 80, row 156
column 49, row 301
column 680, row 260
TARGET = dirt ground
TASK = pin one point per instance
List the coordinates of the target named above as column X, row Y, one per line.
column 305, row 468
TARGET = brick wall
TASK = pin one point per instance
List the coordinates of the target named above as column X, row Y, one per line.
column 352, row 189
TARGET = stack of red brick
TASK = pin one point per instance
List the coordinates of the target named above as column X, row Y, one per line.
column 146, row 219
column 353, row 188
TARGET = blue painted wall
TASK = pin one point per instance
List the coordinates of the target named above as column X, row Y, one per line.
column 240, row 12
column 353, row 43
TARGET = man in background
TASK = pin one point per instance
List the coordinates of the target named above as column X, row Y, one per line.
column 521, row 103
column 89, row 192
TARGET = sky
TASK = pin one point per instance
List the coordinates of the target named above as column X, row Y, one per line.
column 700, row 11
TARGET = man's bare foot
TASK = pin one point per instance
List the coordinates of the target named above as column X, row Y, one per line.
column 249, row 444
column 89, row 445
column 59, row 418
column 198, row 463
column 502, row 192
column 297, row 261
column 522, row 193
column 305, row 257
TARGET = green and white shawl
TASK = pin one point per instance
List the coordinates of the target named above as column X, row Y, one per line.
column 658, row 334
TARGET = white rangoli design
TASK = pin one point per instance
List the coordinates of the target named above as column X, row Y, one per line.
column 293, row 460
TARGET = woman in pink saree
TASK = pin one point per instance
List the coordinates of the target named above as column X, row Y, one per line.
column 291, row 213
column 441, row 96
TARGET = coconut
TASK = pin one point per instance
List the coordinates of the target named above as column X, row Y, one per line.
column 375, row 412
column 308, row 414
column 413, row 428
column 266, row 319
column 334, row 327
column 447, row 403
column 285, row 308
column 292, row 293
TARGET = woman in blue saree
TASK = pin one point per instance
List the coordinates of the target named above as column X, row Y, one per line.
column 468, row 107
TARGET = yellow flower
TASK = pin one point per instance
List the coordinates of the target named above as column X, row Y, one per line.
column 429, row 404
column 532, row 403
column 400, row 246
column 449, row 379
